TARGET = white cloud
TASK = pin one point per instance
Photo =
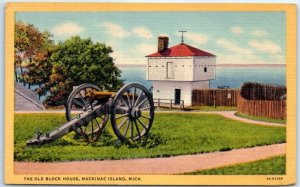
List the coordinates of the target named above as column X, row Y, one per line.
column 142, row 32
column 137, row 52
column 197, row 37
column 265, row 46
column 235, row 54
column 115, row 30
column 68, row 29
column 233, row 47
column 144, row 49
column 237, row 30
column 134, row 55
column 192, row 37
column 163, row 34
column 259, row 33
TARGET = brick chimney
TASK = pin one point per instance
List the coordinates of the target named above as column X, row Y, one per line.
column 163, row 42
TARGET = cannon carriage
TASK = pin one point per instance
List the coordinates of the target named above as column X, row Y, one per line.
column 88, row 109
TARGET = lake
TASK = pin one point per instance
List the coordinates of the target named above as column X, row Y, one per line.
column 234, row 77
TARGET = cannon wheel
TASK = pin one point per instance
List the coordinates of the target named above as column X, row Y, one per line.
column 132, row 112
column 77, row 104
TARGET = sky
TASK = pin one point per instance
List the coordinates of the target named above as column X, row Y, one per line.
column 234, row 37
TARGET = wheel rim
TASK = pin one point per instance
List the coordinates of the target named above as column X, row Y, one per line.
column 132, row 112
column 77, row 104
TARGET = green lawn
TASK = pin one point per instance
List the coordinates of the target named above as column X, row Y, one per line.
column 171, row 134
column 282, row 121
column 270, row 166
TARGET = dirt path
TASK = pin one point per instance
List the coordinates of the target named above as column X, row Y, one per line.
column 231, row 115
column 170, row 165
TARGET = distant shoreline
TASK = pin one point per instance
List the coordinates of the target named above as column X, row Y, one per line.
column 251, row 65
column 218, row 65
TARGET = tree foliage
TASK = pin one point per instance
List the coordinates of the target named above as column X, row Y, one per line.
column 77, row 61
column 56, row 68
column 32, row 50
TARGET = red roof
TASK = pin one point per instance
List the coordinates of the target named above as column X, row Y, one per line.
column 180, row 50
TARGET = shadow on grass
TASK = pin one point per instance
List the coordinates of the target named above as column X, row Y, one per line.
column 147, row 141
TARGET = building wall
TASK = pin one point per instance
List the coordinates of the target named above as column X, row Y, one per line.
column 200, row 85
column 166, row 89
column 183, row 69
column 204, row 62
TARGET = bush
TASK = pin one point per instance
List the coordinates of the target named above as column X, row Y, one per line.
column 257, row 91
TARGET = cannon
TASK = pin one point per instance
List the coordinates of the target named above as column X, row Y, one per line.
column 88, row 109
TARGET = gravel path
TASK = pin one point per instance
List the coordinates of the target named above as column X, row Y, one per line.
column 231, row 115
column 170, row 165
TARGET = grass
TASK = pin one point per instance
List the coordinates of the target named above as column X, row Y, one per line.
column 271, row 166
column 212, row 108
column 171, row 134
column 281, row 121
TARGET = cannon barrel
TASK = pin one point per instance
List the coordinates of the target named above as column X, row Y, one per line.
column 102, row 95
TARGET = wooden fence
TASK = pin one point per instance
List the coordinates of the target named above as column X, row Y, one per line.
column 262, row 108
column 215, row 97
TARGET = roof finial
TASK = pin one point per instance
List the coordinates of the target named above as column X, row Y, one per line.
column 182, row 40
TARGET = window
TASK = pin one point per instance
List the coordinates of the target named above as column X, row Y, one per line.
column 205, row 69
column 170, row 70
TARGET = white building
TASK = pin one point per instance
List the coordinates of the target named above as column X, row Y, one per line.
column 178, row 70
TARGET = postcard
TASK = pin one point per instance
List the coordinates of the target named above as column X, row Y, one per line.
column 150, row 94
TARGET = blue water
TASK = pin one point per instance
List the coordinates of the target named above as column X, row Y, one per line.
column 234, row 77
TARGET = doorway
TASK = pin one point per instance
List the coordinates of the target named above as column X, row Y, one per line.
column 177, row 96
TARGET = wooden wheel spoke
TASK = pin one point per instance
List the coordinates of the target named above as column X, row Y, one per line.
column 78, row 103
column 85, row 105
column 142, row 102
column 127, row 95
column 122, row 116
column 124, row 102
column 101, row 118
column 122, row 109
column 81, row 131
column 146, row 108
column 134, row 92
column 122, row 123
column 142, row 124
column 131, row 130
column 92, row 123
column 97, row 123
column 137, row 100
column 137, row 128
column 126, row 130
column 145, row 116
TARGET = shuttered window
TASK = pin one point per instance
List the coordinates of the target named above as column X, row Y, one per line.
column 170, row 70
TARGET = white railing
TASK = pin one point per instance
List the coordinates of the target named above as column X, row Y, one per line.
column 168, row 103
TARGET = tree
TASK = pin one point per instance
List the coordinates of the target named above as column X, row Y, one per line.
column 32, row 49
column 77, row 61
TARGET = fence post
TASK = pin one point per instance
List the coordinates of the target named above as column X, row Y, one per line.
column 171, row 104
column 214, row 99
column 158, row 103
